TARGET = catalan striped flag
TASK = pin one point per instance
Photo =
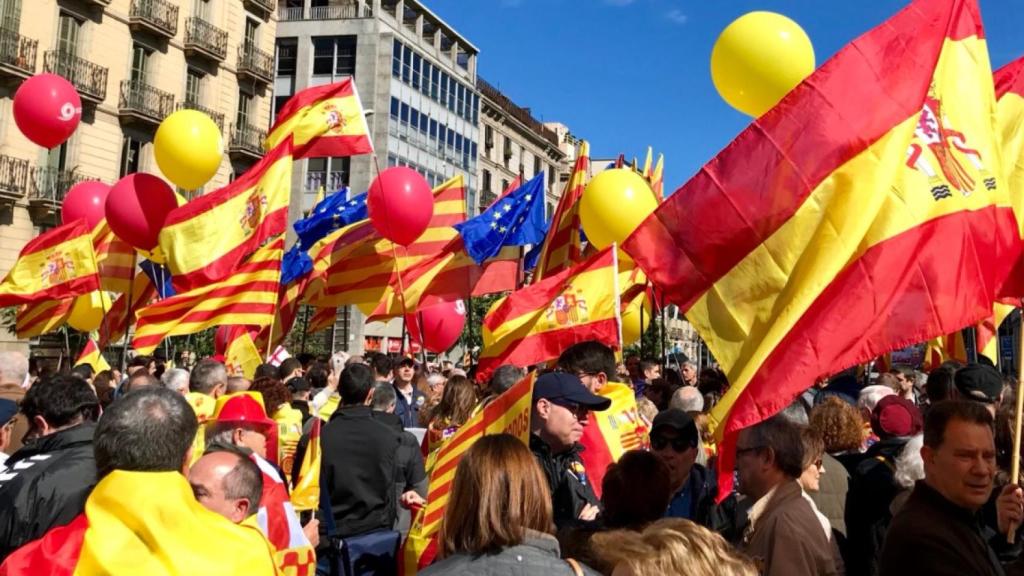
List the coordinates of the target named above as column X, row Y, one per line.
column 92, row 356
column 115, row 259
column 322, row 319
column 42, row 317
column 507, row 414
column 206, row 239
column 324, row 121
column 563, row 245
column 118, row 320
column 658, row 179
column 57, row 264
column 800, row 252
column 247, row 297
column 289, row 298
column 1009, row 81
column 535, row 324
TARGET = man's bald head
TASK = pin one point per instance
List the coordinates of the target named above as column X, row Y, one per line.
column 13, row 367
column 228, row 483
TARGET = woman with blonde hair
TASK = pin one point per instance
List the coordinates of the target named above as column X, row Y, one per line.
column 671, row 546
column 498, row 519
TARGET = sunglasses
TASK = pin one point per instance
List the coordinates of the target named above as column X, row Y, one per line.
column 678, row 444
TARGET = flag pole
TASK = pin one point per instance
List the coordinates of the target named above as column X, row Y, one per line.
column 661, row 307
column 1019, row 410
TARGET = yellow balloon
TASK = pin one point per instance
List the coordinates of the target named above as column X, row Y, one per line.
column 188, row 148
column 614, row 203
column 87, row 311
column 632, row 327
column 758, row 59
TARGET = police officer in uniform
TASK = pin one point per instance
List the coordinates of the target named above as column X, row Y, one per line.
column 561, row 404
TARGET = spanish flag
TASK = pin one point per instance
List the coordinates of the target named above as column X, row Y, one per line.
column 58, row 264
column 42, row 317
column 242, row 358
column 247, row 297
column 122, row 312
column 92, row 356
column 507, row 414
column 306, row 495
column 563, row 246
column 867, row 211
column 324, row 121
column 206, row 239
column 536, row 323
column 612, row 432
column 1009, row 81
column 115, row 259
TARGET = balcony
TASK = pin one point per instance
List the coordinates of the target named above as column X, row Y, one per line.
column 155, row 16
column 205, row 40
column 255, row 64
column 246, row 143
column 262, row 7
column 13, row 180
column 335, row 12
column 89, row 79
column 17, row 54
column 217, row 117
column 141, row 102
column 49, row 187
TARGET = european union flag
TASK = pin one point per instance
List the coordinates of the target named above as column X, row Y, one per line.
column 159, row 276
column 335, row 211
column 515, row 220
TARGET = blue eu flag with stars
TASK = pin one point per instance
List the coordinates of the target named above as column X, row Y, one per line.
column 333, row 212
column 515, row 220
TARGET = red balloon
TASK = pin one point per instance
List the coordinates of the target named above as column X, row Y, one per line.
column 137, row 207
column 400, row 204
column 85, row 200
column 47, row 109
column 442, row 325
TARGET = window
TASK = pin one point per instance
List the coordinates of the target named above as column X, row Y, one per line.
column 460, row 102
column 451, row 94
column 433, row 129
column 406, row 63
column 10, row 14
column 416, row 62
column 131, row 150
column 504, row 185
column 201, row 9
column 140, row 60
column 424, row 123
column 404, row 116
column 396, row 60
column 551, row 176
column 252, row 32
column 488, row 138
column 287, row 57
column 414, row 117
column 280, row 101
column 485, row 178
column 435, row 81
column 244, row 105
column 425, row 84
column 444, row 88
column 394, row 108
column 476, row 109
column 331, row 173
column 536, row 165
column 57, row 158
column 334, row 56
column 67, row 37
column 193, row 86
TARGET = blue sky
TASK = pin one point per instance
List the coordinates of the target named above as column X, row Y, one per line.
column 630, row 73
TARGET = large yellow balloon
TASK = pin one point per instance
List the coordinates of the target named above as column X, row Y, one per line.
column 87, row 311
column 632, row 326
column 614, row 203
column 188, row 148
column 758, row 59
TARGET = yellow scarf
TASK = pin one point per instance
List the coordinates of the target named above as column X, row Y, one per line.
column 150, row 523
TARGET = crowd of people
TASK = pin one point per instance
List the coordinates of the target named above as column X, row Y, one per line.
column 187, row 469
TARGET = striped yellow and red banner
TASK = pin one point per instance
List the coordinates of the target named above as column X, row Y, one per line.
column 824, row 236
column 535, row 324
column 1009, row 83
column 324, row 121
column 507, row 414
column 208, row 238
column 57, row 264
column 42, row 317
column 92, row 356
column 247, row 297
column 563, row 244
column 115, row 259
column 322, row 319
column 117, row 320
column 946, row 348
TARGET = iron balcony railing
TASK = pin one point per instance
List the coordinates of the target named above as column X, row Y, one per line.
column 289, row 13
column 247, row 139
column 337, row 12
column 17, row 51
column 260, row 5
column 13, row 175
column 53, row 183
column 90, row 79
column 156, row 13
column 255, row 62
column 140, row 98
column 201, row 35
column 217, row 117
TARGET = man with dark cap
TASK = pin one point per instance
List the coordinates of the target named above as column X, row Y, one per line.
column 872, row 483
column 561, row 405
column 674, row 441
column 980, row 383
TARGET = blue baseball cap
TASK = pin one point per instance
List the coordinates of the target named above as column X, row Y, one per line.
column 564, row 389
column 8, row 408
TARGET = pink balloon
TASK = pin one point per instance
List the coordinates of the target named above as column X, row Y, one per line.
column 442, row 325
column 400, row 204
column 137, row 207
column 85, row 200
column 47, row 109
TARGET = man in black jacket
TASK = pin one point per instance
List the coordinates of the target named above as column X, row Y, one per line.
column 561, row 404
column 938, row 530
column 674, row 442
column 410, row 477
column 48, row 480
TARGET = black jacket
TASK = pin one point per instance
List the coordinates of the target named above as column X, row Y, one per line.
column 871, row 490
column 931, row 535
column 45, row 485
column 567, row 479
column 358, row 470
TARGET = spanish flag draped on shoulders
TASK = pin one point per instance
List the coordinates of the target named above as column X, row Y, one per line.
column 163, row 531
column 867, row 211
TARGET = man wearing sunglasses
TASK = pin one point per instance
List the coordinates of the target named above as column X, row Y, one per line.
column 674, row 442
column 561, row 405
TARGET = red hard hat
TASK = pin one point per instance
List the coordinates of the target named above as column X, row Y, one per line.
column 244, row 409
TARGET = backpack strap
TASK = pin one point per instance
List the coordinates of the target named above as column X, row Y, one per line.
column 575, row 566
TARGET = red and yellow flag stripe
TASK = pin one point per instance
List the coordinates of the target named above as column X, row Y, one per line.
column 117, row 321
column 563, row 245
column 1009, row 86
column 115, row 259
column 42, row 317
column 323, row 121
column 57, row 264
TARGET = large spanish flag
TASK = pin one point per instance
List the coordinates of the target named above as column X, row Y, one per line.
column 247, row 297
column 867, row 211
column 324, row 121
column 507, row 414
column 563, row 246
column 206, row 239
column 57, row 264
column 612, row 432
column 1009, row 81
column 535, row 324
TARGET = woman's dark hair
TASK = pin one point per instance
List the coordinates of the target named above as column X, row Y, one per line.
column 626, row 506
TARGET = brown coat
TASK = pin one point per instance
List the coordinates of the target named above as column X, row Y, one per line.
column 16, row 393
column 785, row 538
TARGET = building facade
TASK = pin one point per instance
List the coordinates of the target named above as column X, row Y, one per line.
column 416, row 78
column 133, row 62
